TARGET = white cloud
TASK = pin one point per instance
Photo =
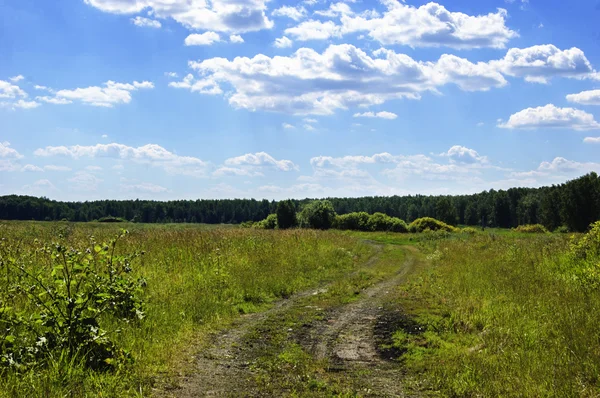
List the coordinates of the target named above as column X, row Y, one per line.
column 308, row 82
column 381, row 115
column 84, row 181
column 146, row 22
column 231, row 16
column 309, row 120
column 202, row 39
column 430, row 25
column 309, row 127
column 8, row 90
column 236, row 39
column 202, row 86
column 591, row 97
column 287, row 126
column 296, row 13
column 282, row 42
column 461, row 154
column 7, row 152
column 17, row 78
column 52, row 167
column 261, row 159
column 335, row 9
column 539, row 64
column 151, row 154
column 236, row 171
column 111, row 94
column 31, row 168
column 38, row 87
column 40, row 187
column 171, row 74
column 104, row 136
column 550, row 116
column 592, row 140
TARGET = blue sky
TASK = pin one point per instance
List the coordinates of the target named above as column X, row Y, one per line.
column 185, row 99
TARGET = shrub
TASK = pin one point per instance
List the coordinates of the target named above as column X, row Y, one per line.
column 318, row 214
column 468, row 230
column 399, row 225
column 111, row 219
column 531, row 229
column 247, row 224
column 424, row 223
column 44, row 315
column 563, row 229
column 268, row 223
column 352, row 221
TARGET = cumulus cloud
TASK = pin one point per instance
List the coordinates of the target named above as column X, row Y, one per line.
column 282, row 42
column 230, row 16
column 236, row 39
column 9, row 90
column 151, row 154
column 592, row 140
column 296, row 13
column 539, row 64
column 461, row 154
column 31, row 168
column 430, row 25
column 551, row 116
column 261, row 159
column 591, row 97
column 381, row 115
column 202, row 39
column 17, row 78
column 308, row 82
column 287, row 126
column 146, row 22
column 7, row 152
column 202, row 85
column 111, row 94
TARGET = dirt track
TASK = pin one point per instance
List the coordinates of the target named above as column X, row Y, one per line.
column 346, row 339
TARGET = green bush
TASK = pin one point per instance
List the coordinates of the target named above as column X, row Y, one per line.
column 531, row 229
column 286, row 215
column 424, row 223
column 468, row 230
column 268, row 223
column 111, row 219
column 563, row 229
column 318, row 214
column 352, row 222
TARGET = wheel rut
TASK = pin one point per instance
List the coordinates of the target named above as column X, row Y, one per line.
column 345, row 338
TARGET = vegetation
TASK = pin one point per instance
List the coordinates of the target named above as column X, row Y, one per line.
column 504, row 315
column 286, row 215
column 431, row 224
column 369, row 222
column 318, row 214
column 532, row 229
column 574, row 204
column 83, row 318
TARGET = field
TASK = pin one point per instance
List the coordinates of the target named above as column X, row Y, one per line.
column 179, row 310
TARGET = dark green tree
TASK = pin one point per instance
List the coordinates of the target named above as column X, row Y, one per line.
column 286, row 214
column 318, row 214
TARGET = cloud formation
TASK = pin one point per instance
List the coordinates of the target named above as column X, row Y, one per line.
column 553, row 117
column 111, row 94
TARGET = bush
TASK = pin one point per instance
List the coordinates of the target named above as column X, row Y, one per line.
column 424, row 223
column 63, row 313
column 352, row 221
column 468, row 230
column 268, row 223
column 319, row 214
column 247, row 224
column 563, row 229
column 111, row 219
column 531, row 229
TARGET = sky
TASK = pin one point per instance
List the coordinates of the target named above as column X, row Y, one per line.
column 202, row 99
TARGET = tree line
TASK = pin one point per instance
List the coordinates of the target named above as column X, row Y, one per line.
column 574, row 204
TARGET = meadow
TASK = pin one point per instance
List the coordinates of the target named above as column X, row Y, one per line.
column 494, row 313
column 194, row 279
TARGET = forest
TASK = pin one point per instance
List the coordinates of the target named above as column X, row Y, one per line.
column 574, row 205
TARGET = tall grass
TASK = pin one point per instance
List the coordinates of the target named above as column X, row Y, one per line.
column 197, row 279
column 504, row 316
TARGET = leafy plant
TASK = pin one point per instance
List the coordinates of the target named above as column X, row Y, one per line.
column 532, row 229
column 62, row 311
column 428, row 223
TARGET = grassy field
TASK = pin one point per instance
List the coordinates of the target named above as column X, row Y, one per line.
column 494, row 313
column 503, row 315
column 196, row 278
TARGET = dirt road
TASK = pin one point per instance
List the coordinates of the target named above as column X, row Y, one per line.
column 329, row 341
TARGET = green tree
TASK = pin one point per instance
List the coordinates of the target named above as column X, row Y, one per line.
column 286, row 214
column 444, row 211
column 318, row 214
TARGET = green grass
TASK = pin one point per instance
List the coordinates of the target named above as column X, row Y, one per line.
column 198, row 279
column 503, row 314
